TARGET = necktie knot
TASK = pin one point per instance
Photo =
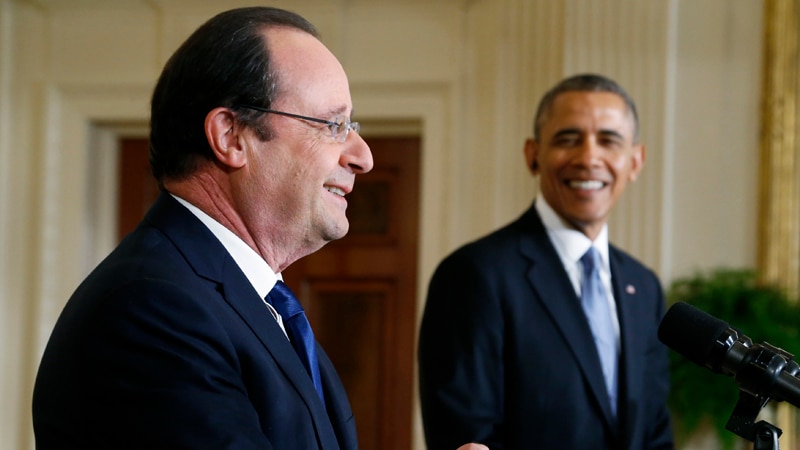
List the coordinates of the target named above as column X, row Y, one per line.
column 591, row 261
column 284, row 301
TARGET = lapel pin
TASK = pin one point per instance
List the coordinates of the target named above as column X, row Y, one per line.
column 630, row 289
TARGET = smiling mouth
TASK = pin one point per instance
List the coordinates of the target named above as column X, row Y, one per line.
column 335, row 190
column 588, row 185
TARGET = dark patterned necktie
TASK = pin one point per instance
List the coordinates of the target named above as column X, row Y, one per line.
column 595, row 306
column 298, row 329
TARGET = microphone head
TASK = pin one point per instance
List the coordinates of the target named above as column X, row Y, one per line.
column 690, row 332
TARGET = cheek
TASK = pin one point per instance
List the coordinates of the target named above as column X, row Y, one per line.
column 551, row 162
column 623, row 167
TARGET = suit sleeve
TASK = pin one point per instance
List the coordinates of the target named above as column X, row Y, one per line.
column 461, row 357
column 167, row 375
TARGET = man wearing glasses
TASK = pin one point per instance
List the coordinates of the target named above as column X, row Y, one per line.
column 185, row 336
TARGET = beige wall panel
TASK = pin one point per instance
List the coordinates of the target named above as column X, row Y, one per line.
column 89, row 45
column 21, row 30
column 388, row 42
column 29, row 34
column 11, row 312
column 714, row 191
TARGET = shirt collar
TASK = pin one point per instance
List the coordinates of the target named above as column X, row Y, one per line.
column 570, row 243
column 257, row 271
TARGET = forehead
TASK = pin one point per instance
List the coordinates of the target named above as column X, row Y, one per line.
column 309, row 75
column 589, row 110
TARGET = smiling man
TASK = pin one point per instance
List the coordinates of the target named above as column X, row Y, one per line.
column 542, row 334
column 184, row 337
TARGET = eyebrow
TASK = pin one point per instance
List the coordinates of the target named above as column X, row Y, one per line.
column 603, row 132
column 614, row 133
column 566, row 131
column 337, row 110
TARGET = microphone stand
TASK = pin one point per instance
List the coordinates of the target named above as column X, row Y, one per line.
column 762, row 434
column 761, row 365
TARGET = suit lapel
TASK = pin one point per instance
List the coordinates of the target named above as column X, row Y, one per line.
column 210, row 260
column 554, row 290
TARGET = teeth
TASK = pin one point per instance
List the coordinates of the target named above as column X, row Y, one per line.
column 335, row 190
column 588, row 185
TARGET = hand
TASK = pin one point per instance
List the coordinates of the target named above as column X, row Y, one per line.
column 473, row 446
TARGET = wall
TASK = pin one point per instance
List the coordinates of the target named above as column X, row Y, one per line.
column 77, row 74
column 714, row 142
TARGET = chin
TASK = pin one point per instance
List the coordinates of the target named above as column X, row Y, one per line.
column 338, row 231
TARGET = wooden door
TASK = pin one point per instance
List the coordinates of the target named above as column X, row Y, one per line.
column 359, row 292
column 137, row 189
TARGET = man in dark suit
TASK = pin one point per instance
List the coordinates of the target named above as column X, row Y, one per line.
column 185, row 337
column 542, row 334
column 178, row 340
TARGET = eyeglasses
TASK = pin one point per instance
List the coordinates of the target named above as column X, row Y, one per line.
column 339, row 131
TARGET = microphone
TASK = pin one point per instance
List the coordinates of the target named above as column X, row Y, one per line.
column 761, row 370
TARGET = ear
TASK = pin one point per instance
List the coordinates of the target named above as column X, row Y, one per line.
column 225, row 137
column 637, row 161
column 531, row 155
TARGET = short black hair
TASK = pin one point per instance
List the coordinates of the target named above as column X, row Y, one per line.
column 587, row 82
column 225, row 62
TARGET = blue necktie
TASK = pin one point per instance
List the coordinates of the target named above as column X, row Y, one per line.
column 595, row 306
column 298, row 329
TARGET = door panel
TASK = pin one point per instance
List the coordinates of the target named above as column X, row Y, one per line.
column 137, row 189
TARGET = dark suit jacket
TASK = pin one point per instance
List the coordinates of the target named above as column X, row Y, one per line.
column 506, row 356
column 167, row 345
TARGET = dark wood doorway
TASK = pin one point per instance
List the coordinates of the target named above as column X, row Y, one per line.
column 359, row 292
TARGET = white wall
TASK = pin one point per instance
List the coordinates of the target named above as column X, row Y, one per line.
column 12, row 363
column 714, row 146
column 75, row 74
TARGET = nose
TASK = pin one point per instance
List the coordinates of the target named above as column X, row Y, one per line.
column 357, row 156
column 588, row 153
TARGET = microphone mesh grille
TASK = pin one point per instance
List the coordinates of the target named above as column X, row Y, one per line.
column 690, row 332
